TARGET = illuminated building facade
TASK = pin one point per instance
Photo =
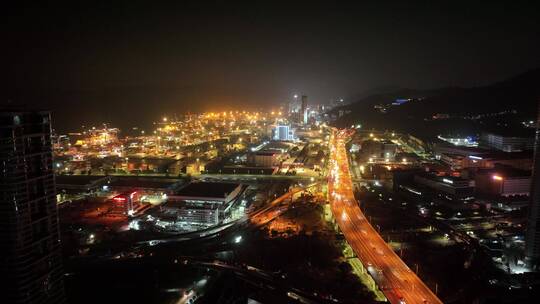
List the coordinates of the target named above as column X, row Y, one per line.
column 503, row 181
column 283, row 133
column 126, row 204
column 202, row 204
column 507, row 143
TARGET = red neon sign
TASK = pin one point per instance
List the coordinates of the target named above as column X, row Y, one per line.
column 119, row 199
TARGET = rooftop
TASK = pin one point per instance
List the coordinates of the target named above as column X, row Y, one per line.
column 505, row 171
column 500, row 155
column 187, row 205
column 266, row 153
column 207, row 189
column 449, row 179
column 79, row 180
column 512, row 131
column 138, row 182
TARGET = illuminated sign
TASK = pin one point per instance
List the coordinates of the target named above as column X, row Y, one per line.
column 474, row 157
column 448, row 181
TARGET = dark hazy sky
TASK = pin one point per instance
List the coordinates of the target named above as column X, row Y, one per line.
column 206, row 53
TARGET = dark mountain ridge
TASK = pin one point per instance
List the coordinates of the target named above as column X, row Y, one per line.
column 517, row 97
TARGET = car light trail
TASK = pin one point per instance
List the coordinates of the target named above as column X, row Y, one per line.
column 398, row 283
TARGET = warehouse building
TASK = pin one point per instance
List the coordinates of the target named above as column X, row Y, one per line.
column 202, row 204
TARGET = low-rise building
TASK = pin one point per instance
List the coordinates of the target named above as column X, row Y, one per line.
column 201, row 203
column 455, row 161
column 125, row 204
column 454, row 186
column 460, row 157
column 507, row 143
column 204, row 192
column 283, row 133
column 80, row 183
column 441, row 147
column 459, row 141
column 518, row 160
column 503, row 181
column 265, row 158
column 144, row 184
column 378, row 150
column 192, row 215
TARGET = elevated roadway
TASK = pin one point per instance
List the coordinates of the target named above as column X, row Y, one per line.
column 399, row 284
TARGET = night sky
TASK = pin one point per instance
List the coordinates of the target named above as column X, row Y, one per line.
column 115, row 60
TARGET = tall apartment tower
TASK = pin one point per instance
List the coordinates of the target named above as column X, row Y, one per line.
column 293, row 105
column 532, row 237
column 303, row 110
column 30, row 257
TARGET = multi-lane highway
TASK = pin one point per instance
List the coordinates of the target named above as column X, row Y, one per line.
column 396, row 280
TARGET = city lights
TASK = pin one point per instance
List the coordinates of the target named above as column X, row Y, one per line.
column 273, row 152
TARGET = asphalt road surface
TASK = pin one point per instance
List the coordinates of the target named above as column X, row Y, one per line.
column 396, row 280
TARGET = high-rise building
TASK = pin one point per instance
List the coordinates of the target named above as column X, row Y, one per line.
column 304, row 109
column 283, row 133
column 294, row 105
column 532, row 238
column 30, row 256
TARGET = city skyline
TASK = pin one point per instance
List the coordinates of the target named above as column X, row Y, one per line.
column 203, row 54
column 317, row 152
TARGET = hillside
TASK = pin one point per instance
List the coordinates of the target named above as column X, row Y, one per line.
column 463, row 110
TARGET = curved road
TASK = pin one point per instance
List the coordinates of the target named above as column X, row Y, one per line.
column 396, row 280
